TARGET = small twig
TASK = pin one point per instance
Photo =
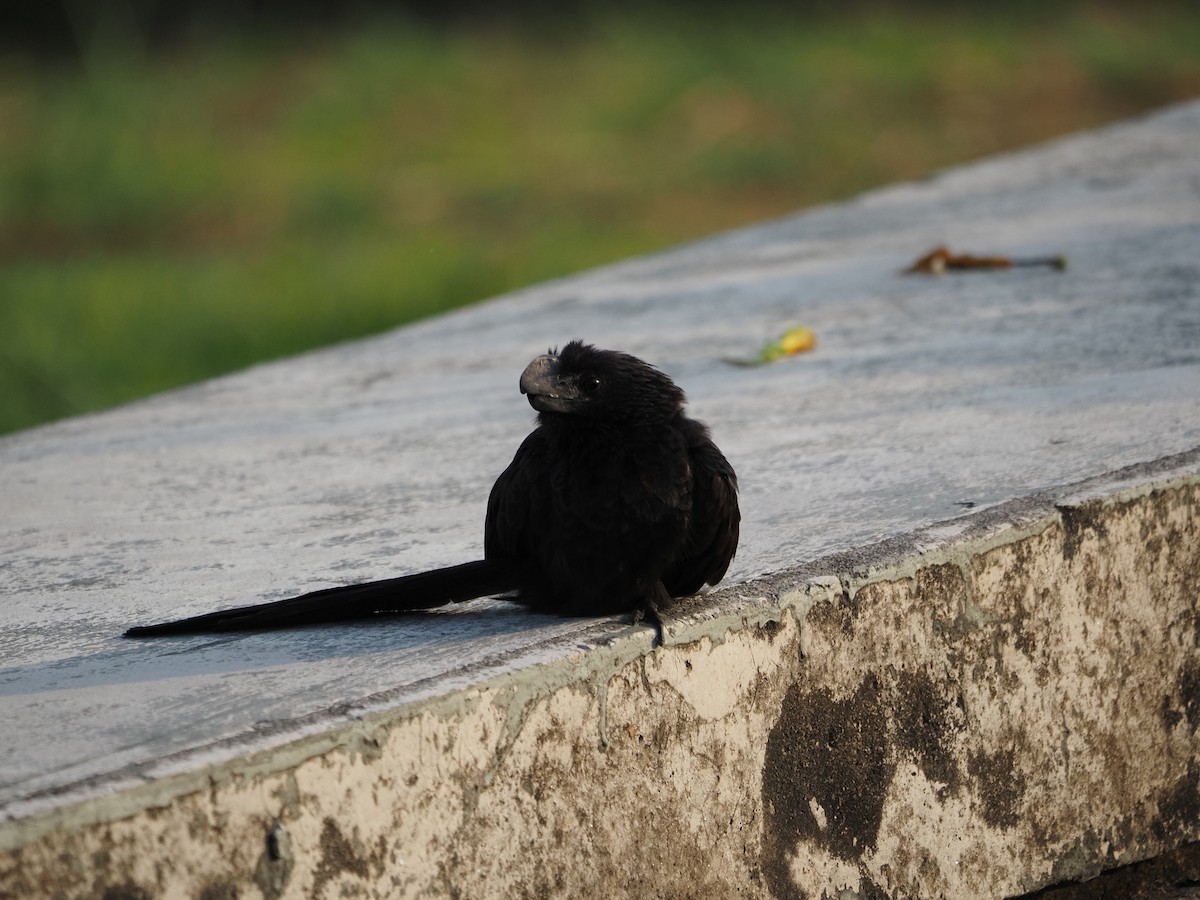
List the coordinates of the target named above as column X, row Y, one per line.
column 941, row 259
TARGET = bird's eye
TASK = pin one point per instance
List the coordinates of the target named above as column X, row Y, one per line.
column 589, row 384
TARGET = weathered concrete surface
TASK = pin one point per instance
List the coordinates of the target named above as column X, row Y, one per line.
column 966, row 716
column 987, row 705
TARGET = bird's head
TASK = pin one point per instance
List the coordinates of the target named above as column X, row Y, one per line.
column 581, row 380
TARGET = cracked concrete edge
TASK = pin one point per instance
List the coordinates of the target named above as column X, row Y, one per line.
column 595, row 696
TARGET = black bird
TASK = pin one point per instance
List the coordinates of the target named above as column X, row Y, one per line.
column 615, row 502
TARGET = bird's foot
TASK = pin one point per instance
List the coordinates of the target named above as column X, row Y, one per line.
column 648, row 613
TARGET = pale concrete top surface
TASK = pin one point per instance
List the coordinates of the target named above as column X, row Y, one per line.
column 374, row 458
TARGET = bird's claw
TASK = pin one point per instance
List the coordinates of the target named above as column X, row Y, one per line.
column 648, row 613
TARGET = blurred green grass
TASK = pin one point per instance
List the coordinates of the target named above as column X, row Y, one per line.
column 167, row 217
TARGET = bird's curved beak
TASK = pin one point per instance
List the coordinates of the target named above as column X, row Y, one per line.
column 541, row 383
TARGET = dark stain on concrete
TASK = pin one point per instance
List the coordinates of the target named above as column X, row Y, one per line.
column 126, row 891
column 771, row 629
column 830, row 754
column 943, row 581
column 1179, row 808
column 219, row 890
column 830, row 617
column 1189, row 692
column 338, row 855
column 830, row 762
column 1078, row 522
column 926, row 722
column 1000, row 788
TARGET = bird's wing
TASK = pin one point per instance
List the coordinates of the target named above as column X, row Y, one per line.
column 509, row 530
column 715, row 518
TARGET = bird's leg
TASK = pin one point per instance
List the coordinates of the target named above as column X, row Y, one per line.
column 648, row 612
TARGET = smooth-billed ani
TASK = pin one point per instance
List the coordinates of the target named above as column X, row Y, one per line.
column 615, row 502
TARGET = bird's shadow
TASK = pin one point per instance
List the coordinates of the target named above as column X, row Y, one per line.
column 467, row 632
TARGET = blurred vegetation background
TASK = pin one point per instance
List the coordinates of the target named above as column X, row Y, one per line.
column 181, row 196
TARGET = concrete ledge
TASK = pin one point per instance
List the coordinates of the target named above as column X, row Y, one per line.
column 978, row 710
column 957, row 655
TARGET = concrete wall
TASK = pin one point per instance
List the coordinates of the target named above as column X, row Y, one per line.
column 973, row 711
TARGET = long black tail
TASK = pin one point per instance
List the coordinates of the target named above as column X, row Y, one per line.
column 424, row 590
